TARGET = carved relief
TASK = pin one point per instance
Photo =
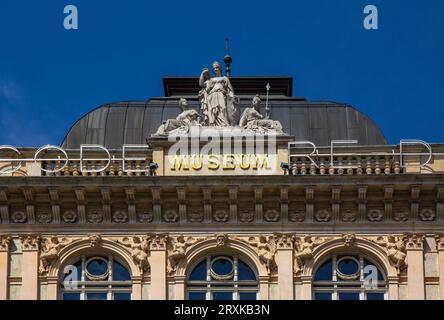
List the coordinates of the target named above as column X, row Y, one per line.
column 400, row 215
column 159, row 242
column 375, row 215
column 44, row 217
column 297, row 216
column 349, row 239
column 95, row 216
column 427, row 215
column 145, row 217
column 30, row 242
column 18, row 217
column 272, row 215
column 69, row 216
column 140, row 250
column 221, row 239
column 396, row 250
column 5, row 241
column 120, row 216
column 323, row 216
column 171, row 216
column 246, row 216
column 50, row 248
column 221, row 215
column 196, row 216
column 348, row 215
column 95, row 240
column 177, row 249
column 304, row 247
column 266, row 250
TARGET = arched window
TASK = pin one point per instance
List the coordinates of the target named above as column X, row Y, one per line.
column 222, row 277
column 96, row 278
column 349, row 277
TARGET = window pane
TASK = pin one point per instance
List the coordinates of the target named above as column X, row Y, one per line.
column 348, row 295
column 122, row 296
column 71, row 296
column 247, row 296
column 199, row 272
column 120, row 273
column 245, row 272
column 222, row 295
column 97, row 267
column 322, row 296
column 196, row 296
column 375, row 296
column 348, row 267
column 325, row 272
column 96, row 296
column 222, row 267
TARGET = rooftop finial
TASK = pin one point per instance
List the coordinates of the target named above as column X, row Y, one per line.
column 227, row 58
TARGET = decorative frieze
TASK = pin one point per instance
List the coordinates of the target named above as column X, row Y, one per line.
column 5, row 241
column 139, row 249
column 30, row 242
column 266, row 248
column 50, row 248
column 177, row 247
column 304, row 247
column 396, row 250
column 158, row 242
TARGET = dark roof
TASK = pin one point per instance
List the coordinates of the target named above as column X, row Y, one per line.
column 115, row 124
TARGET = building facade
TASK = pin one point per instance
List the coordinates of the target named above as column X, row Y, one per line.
column 307, row 201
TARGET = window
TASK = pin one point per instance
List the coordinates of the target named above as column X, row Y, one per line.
column 349, row 277
column 220, row 277
column 96, row 278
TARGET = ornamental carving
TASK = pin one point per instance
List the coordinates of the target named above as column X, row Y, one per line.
column 95, row 240
column 18, row 217
column 323, row 216
column 159, row 242
column 297, row 216
column 30, row 242
column 272, row 215
column 400, row 215
column 396, row 250
column 304, row 247
column 284, row 240
column 375, row 215
column 171, row 216
column 145, row 217
column 427, row 215
column 348, row 215
column 415, row 241
column 95, row 216
column 349, row 239
column 221, row 239
column 140, row 250
column 120, row 216
column 5, row 241
column 246, row 216
column 176, row 252
column 50, row 248
column 196, row 216
column 44, row 217
column 69, row 216
column 439, row 238
column 221, row 215
column 266, row 251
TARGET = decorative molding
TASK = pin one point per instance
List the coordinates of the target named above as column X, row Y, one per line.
column 30, row 242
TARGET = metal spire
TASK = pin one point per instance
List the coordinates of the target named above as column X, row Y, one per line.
column 227, row 58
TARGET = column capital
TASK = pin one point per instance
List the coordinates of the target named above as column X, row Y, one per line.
column 159, row 242
column 439, row 238
column 5, row 241
column 30, row 242
column 415, row 241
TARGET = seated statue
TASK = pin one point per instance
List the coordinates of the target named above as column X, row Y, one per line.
column 253, row 120
column 183, row 121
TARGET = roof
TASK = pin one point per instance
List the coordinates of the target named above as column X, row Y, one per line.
column 115, row 124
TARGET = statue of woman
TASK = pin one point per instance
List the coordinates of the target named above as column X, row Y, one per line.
column 220, row 106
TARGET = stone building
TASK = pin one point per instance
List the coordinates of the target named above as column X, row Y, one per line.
column 113, row 213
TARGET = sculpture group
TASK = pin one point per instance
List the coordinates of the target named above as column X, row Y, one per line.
column 220, row 107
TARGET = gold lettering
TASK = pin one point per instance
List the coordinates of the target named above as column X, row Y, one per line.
column 180, row 162
column 195, row 166
column 241, row 162
column 228, row 162
column 213, row 162
column 261, row 162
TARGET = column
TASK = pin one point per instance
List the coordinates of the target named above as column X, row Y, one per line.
column 4, row 266
column 30, row 266
column 440, row 248
column 179, row 290
column 415, row 270
column 306, row 293
column 137, row 287
column 393, row 288
column 264, row 288
column 285, row 267
column 158, row 288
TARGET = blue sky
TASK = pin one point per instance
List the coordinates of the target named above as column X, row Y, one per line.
column 49, row 77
